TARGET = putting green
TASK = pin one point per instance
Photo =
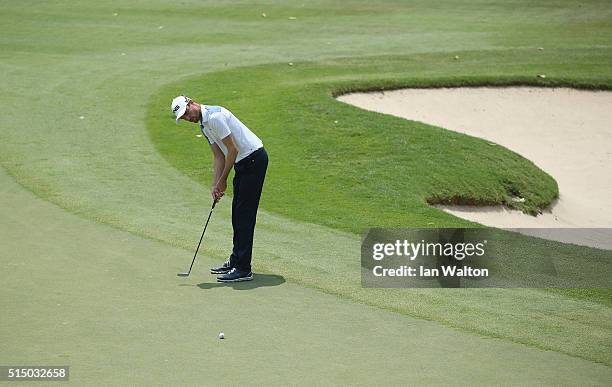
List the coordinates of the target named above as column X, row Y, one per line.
column 78, row 85
column 108, row 303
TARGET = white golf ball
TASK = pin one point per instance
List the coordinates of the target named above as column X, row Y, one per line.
column 221, row 335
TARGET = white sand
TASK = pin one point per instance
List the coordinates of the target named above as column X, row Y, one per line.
column 565, row 132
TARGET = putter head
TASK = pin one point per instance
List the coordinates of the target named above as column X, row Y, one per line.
column 183, row 274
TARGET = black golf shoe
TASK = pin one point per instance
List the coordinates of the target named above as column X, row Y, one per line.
column 225, row 267
column 235, row 275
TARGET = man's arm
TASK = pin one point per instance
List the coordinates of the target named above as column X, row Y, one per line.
column 230, row 159
column 218, row 164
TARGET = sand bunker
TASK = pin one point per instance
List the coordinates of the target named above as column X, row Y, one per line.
column 565, row 132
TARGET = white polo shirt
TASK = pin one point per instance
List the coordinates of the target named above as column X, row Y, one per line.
column 218, row 122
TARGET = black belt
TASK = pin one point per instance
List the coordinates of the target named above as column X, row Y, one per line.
column 251, row 156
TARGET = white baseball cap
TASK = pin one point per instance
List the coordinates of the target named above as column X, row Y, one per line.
column 179, row 106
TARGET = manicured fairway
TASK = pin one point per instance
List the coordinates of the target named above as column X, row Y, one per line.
column 118, row 316
column 104, row 197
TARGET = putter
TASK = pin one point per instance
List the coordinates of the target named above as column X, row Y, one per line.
column 199, row 243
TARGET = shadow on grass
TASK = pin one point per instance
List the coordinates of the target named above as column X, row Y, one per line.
column 259, row 281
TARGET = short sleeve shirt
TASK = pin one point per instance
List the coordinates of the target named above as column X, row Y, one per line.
column 217, row 123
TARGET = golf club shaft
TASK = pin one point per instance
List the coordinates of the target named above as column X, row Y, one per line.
column 202, row 236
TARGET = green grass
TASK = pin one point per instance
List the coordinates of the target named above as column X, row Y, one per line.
column 602, row 296
column 118, row 166
column 345, row 168
column 377, row 170
column 118, row 315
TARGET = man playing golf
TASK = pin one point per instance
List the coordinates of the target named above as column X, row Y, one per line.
column 233, row 145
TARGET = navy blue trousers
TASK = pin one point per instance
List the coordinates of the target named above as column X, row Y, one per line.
column 249, row 175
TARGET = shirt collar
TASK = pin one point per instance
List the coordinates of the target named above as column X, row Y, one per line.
column 205, row 114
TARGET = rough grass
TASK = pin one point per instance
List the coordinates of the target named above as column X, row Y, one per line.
column 334, row 162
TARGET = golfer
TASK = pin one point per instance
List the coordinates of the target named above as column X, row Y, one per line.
column 233, row 145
